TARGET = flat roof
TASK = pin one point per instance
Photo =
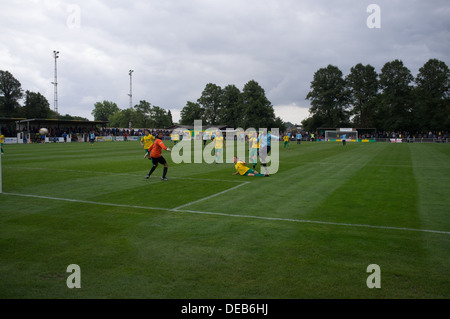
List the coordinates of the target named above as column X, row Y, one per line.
column 11, row 119
column 204, row 127
column 57, row 121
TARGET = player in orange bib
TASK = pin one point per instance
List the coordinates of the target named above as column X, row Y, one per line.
column 156, row 156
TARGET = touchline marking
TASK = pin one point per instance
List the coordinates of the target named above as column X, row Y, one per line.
column 84, row 201
column 211, row 196
column 370, row 165
column 122, row 174
column 175, row 210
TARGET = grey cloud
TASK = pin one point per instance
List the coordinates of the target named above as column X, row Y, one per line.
column 177, row 47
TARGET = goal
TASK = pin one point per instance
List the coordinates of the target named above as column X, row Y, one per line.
column 337, row 135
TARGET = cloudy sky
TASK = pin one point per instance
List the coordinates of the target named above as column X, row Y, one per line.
column 176, row 47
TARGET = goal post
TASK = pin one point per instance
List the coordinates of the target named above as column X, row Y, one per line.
column 350, row 135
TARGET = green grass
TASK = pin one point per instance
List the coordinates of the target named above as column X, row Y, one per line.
column 309, row 231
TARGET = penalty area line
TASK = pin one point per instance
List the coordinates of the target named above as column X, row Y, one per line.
column 231, row 215
column 211, row 196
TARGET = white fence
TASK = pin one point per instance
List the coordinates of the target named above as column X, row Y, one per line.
column 413, row 140
column 26, row 139
column 20, row 139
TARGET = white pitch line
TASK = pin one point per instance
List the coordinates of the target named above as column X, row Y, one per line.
column 211, row 196
column 232, row 215
column 84, row 201
column 315, row 222
column 122, row 174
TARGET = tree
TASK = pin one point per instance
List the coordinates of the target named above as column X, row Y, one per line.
column 329, row 99
column 280, row 124
column 231, row 107
column 396, row 104
column 160, row 117
column 143, row 116
column 122, row 118
column 191, row 112
column 169, row 117
column 362, row 85
column 70, row 117
column 432, row 96
column 10, row 94
column 257, row 111
column 310, row 124
column 103, row 110
column 36, row 106
column 211, row 101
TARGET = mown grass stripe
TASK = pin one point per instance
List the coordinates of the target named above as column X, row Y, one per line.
column 229, row 215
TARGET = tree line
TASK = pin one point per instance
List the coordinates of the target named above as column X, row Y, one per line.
column 393, row 100
column 216, row 106
column 35, row 104
column 229, row 106
column 142, row 115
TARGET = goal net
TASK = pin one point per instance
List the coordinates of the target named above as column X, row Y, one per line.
column 337, row 136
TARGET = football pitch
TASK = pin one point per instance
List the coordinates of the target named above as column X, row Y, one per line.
column 309, row 231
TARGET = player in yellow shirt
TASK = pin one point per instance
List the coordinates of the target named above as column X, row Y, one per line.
column 175, row 138
column 254, row 149
column 243, row 170
column 218, row 146
column 2, row 140
column 286, row 141
column 147, row 140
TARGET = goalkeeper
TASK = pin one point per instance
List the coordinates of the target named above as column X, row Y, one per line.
column 344, row 138
column 156, row 157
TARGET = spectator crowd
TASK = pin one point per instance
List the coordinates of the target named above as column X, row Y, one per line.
column 79, row 131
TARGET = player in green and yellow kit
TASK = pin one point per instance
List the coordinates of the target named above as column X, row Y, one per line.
column 2, row 140
column 147, row 140
column 218, row 146
column 175, row 138
column 286, row 141
column 254, row 149
column 243, row 170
